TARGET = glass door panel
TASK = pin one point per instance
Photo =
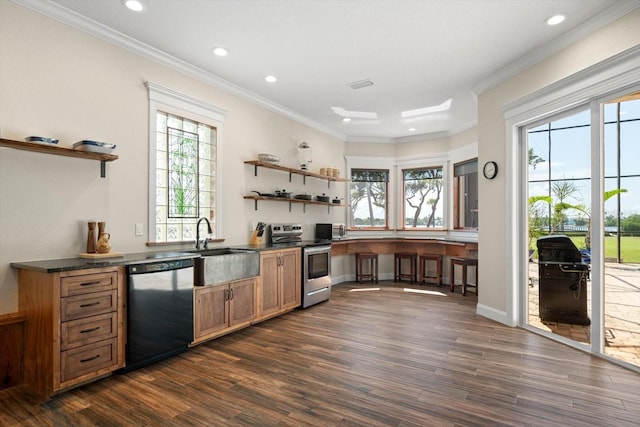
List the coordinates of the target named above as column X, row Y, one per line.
column 559, row 198
column 621, row 323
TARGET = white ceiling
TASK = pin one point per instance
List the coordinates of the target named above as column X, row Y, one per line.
column 417, row 53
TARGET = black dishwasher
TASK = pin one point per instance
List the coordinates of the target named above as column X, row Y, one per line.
column 159, row 311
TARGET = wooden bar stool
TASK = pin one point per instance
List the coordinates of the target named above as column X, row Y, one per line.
column 372, row 259
column 465, row 263
column 423, row 273
column 397, row 266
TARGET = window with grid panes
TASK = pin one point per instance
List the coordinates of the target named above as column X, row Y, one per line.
column 185, row 177
column 369, row 189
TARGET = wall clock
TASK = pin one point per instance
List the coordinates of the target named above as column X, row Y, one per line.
column 490, row 170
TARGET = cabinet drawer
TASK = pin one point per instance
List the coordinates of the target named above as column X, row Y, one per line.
column 87, row 283
column 88, row 330
column 88, row 305
column 83, row 360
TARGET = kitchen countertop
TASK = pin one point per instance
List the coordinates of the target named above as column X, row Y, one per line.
column 78, row 263
column 70, row 264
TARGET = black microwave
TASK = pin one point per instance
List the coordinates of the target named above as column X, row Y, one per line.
column 329, row 231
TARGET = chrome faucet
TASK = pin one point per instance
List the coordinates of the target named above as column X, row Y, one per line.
column 204, row 241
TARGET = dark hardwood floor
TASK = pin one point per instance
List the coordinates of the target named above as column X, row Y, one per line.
column 368, row 358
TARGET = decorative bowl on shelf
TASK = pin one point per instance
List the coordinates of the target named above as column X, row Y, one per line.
column 268, row 158
column 94, row 146
column 41, row 140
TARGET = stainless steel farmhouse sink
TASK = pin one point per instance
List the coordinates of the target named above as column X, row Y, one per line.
column 225, row 265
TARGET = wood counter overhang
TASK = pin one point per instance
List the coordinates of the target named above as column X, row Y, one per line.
column 446, row 247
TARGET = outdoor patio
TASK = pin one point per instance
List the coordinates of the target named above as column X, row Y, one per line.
column 622, row 312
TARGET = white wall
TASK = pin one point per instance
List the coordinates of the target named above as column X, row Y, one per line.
column 495, row 212
column 59, row 82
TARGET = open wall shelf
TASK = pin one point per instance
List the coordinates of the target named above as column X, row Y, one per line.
column 293, row 171
column 60, row 151
column 299, row 201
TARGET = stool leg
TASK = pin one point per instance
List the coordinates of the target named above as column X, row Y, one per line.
column 395, row 269
column 464, row 280
column 358, row 269
column 375, row 263
column 439, row 273
column 414, row 261
column 452, row 277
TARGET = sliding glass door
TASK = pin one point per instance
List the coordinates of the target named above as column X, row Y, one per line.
column 592, row 303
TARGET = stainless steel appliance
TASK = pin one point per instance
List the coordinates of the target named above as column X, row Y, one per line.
column 316, row 274
column 285, row 233
column 159, row 310
column 329, row 231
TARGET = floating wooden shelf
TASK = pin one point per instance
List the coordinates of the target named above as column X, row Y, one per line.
column 293, row 171
column 299, row 201
column 60, row 151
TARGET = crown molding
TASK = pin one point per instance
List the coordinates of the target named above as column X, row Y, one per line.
column 609, row 75
column 369, row 139
column 89, row 26
column 610, row 14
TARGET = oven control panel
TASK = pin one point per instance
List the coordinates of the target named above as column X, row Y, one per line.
column 286, row 229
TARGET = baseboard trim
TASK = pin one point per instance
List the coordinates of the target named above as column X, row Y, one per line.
column 493, row 314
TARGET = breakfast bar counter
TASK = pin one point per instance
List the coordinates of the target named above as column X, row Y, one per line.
column 445, row 247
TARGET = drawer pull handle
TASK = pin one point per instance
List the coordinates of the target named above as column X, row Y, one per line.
column 89, row 283
column 90, row 359
column 90, row 304
column 86, row 331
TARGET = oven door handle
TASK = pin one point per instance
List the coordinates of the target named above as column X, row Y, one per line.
column 317, row 250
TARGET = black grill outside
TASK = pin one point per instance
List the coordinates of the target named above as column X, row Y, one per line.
column 562, row 281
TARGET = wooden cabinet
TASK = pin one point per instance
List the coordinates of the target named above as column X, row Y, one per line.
column 220, row 309
column 280, row 282
column 74, row 326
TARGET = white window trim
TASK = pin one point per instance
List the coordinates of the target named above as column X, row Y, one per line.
column 170, row 101
column 386, row 163
column 438, row 160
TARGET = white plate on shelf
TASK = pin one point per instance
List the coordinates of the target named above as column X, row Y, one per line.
column 94, row 146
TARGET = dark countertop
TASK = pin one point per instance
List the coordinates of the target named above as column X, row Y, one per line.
column 78, row 263
column 70, row 264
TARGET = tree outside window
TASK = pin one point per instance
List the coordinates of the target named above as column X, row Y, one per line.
column 369, row 189
column 423, row 206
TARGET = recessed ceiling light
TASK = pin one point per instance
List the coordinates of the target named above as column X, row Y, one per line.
column 411, row 129
column 134, row 5
column 270, row 79
column 346, row 119
column 220, row 51
column 555, row 19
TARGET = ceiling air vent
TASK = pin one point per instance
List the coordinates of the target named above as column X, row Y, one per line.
column 360, row 84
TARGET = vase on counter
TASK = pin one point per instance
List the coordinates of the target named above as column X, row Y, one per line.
column 103, row 246
column 91, row 238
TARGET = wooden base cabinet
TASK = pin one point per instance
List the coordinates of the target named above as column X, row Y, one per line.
column 74, row 327
column 220, row 309
column 279, row 289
